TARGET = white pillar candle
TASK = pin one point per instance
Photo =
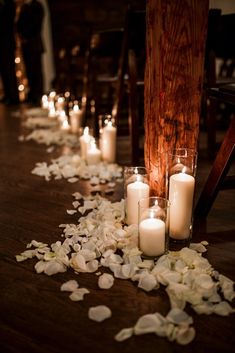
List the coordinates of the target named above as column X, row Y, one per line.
column 51, row 107
column 152, row 236
column 135, row 191
column 65, row 125
column 85, row 140
column 75, row 118
column 60, row 103
column 45, row 102
column 108, row 142
column 93, row 154
column 62, row 116
column 181, row 191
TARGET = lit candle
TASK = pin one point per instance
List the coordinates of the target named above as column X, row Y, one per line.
column 93, row 153
column 51, row 107
column 44, row 102
column 63, row 119
column 152, row 236
column 52, row 96
column 65, row 125
column 85, row 140
column 108, row 142
column 60, row 103
column 62, row 116
column 181, row 191
column 135, row 191
column 75, row 118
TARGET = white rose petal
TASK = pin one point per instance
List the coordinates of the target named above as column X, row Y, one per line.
column 105, row 281
column 147, row 282
column 99, row 313
column 150, row 323
column 69, row 286
column 178, row 316
column 71, row 212
column 185, row 335
column 78, row 294
column 124, row 334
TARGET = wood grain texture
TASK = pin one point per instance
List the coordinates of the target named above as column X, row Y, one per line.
column 176, row 36
column 36, row 317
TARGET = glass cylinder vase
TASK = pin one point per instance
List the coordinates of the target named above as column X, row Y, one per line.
column 182, row 165
column 108, row 136
column 153, row 226
column 136, row 187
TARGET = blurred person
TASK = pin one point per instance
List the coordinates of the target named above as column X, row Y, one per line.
column 7, row 52
column 29, row 27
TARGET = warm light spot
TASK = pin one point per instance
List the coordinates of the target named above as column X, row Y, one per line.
column 84, row 99
column 17, row 60
column 18, row 73
column 21, row 88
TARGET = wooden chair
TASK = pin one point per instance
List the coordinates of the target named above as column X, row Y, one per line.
column 219, row 48
column 103, row 68
column 218, row 178
column 125, row 48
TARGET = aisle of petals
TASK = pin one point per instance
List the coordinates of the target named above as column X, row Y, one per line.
column 100, row 239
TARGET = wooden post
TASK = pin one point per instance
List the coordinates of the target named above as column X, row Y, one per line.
column 175, row 46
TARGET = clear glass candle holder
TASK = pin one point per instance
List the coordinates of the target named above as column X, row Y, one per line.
column 182, row 165
column 136, row 187
column 153, row 226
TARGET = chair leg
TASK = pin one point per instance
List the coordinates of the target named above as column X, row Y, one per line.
column 211, row 127
column 218, row 173
column 133, row 114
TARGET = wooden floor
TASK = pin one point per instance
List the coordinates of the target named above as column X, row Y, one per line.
column 35, row 317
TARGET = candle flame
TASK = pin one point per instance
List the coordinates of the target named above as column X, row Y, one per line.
column 60, row 99
column 52, row 94
column 184, row 170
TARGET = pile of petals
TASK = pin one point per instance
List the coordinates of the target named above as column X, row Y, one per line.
column 100, row 238
column 175, row 326
column 52, row 137
column 72, row 167
column 40, row 122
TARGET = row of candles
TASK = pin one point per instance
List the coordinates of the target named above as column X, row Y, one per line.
column 160, row 219
column 88, row 146
column 107, row 143
column 56, row 107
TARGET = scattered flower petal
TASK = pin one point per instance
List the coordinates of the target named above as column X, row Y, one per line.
column 105, row 281
column 99, row 313
column 69, row 286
